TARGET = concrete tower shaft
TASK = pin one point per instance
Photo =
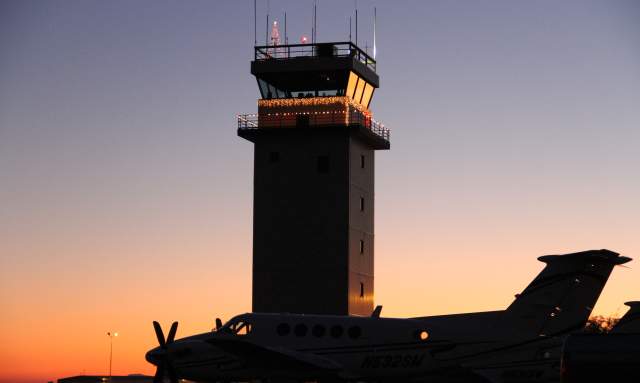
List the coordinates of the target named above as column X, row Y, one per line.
column 314, row 161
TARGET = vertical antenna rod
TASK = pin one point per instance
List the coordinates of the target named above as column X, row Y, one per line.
column 266, row 29
column 313, row 21
column 349, row 28
column 356, row 26
column 374, row 33
column 255, row 23
column 286, row 38
column 311, row 25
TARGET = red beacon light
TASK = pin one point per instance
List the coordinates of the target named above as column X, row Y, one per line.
column 304, row 39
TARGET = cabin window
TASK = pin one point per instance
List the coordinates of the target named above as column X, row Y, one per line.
column 362, row 161
column 330, row 92
column 361, row 203
column 366, row 95
column 361, row 290
column 318, row 331
column 357, row 97
column 336, row 331
column 351, row 84
column 304, row 93
column 361, row 246
column 300, row 329
column 283, row 329
column 354, row 332
column 272, row 92
column 264, row 88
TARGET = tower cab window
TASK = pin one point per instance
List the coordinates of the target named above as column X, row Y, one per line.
column 238, row 327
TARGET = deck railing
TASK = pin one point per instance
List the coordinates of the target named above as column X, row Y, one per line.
column 339, row 49
column 292, row 120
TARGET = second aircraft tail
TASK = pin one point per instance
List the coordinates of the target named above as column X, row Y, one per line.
column 630, row 322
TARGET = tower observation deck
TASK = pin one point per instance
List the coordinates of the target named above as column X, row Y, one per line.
column 315, row 140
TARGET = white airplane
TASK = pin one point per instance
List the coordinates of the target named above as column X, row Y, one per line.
column 521, row 343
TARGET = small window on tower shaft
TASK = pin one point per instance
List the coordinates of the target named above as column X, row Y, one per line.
column 361, row 203
column 361, row 290
column 274, row 156
column 361, row 246
column 323, row 164
column 362, row 161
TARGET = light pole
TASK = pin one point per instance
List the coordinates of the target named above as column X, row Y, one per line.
column 111, row 335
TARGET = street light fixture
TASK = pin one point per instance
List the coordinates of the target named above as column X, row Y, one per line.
column 111, row 335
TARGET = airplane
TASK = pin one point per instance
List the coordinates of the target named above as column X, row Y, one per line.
column 611, row 357
column 520, row 343
column 630, row 322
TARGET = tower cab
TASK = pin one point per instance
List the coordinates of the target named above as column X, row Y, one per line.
column 314, row 85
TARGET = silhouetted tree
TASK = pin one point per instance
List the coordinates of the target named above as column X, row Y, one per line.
column 600, row 324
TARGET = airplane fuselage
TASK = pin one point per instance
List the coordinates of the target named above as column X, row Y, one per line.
column 313, row 347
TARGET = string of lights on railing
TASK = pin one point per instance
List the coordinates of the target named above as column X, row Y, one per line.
column 312, row 101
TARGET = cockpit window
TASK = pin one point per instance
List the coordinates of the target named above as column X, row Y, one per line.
column 238, row 327
column 242, row 328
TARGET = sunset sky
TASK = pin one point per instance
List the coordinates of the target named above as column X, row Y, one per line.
column 126, row 196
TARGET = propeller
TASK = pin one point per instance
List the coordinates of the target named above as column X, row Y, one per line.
column 164, row 367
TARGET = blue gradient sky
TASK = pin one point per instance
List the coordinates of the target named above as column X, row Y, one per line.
column 126, row 195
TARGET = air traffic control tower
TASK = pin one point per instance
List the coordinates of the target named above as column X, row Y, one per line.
column 315, row 143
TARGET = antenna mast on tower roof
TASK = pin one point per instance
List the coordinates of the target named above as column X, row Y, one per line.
column 356, row 22
column 374, row 33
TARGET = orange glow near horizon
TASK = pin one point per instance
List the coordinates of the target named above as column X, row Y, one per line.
column 64, row 334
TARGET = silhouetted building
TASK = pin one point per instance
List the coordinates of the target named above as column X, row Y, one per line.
column 314, row 158
column 105, row 379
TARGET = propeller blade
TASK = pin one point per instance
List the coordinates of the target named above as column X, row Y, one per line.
column 172, row 332
column 159, row 334
column 172, row 374
column 159, row 376
column 218, row 324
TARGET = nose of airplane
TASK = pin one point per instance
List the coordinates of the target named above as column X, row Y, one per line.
column 155, row 355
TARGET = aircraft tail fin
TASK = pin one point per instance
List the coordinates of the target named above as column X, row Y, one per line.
column 560, row 299
column 630, row 322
